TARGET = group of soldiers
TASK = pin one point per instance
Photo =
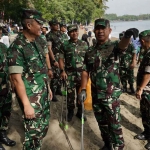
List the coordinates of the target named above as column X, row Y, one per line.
column 35, row 59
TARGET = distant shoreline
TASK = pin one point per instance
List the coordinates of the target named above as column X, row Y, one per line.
column 114, row 38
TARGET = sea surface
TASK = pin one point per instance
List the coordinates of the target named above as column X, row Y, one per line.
column 118, row 27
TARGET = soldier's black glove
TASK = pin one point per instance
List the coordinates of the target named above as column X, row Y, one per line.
column 132, row 31
column 82, row 95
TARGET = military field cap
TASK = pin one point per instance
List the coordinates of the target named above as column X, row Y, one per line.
column 53, row 21
column 102, row 22
column 72, row 27
column 144, row 33
column 62, row 24
column 32, row 14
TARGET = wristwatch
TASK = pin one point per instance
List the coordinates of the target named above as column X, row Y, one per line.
column 49, row 69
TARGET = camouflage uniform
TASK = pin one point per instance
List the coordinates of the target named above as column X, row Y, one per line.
column 73, row 54
column 5, row 94
column 28, row 58
column 54, row 39
column 126, row 73
column 64, row 37
column 102, row 64
column 145, row 102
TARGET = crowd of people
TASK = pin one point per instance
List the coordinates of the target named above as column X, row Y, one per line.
column 37, row 62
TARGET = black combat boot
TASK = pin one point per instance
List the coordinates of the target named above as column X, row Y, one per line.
column 141, row 136
column 107, row 146
column 132, row 89
column 79, row 114
column 54, row 99
column 5, row 140
column 1, row 147
column 125, row 89
column 147, row 146
column 70, row 114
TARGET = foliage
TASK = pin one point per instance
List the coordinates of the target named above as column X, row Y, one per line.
column 127, row 17
column 79, row 11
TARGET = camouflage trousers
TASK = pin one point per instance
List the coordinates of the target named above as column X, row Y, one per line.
column 5, row 110
column 72, row 89
column 36, row 129
column 145, row 111
column 55, row 82
column 126, row 75
column 107, row 114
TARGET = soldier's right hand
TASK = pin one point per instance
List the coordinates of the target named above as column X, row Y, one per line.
column 63, row 75
column 82, row 95
column 29, row 112
column 56, row 64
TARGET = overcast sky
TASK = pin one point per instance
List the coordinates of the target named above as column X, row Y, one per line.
column 131, row 7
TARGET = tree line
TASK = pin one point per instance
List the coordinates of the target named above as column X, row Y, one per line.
column 71, row 11
column 113, row 17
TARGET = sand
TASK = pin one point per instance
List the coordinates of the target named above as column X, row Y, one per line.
column 58, row 139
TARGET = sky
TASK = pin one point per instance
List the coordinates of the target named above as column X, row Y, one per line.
column 130, row 7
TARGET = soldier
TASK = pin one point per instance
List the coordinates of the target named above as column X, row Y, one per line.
column 63, row 29
column 102, row 64
column 44, row 30
column 72, row 53
column 127, row 64
column 143, row 87
column 6, row 99
column 26, row 61
column 54, row 42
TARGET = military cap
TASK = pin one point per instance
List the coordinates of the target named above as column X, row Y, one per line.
column 62, row 24
column 102, row 22
column 72, row 27
column 144, row 33
column 53, row 21
column 32, row 14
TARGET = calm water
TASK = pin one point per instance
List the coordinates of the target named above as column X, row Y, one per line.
column 118, row 27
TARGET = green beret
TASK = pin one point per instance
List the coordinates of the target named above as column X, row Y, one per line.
column 32, row 14
column 72, row 27
column 102, row 22
column 144, row 33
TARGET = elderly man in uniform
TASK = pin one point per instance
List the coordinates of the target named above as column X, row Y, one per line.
column 28, row 70
column 102, row 64
column 143, row 87
column 72, row 53
column 6, row 99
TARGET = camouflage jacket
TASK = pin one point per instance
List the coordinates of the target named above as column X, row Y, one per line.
column 102, row 63
column 44, row 38
column 3, row 69
column 73, row 53
column 144, row 69
column 64, row 37
column 126, row 57
column 55, row 40
column 28, row 58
